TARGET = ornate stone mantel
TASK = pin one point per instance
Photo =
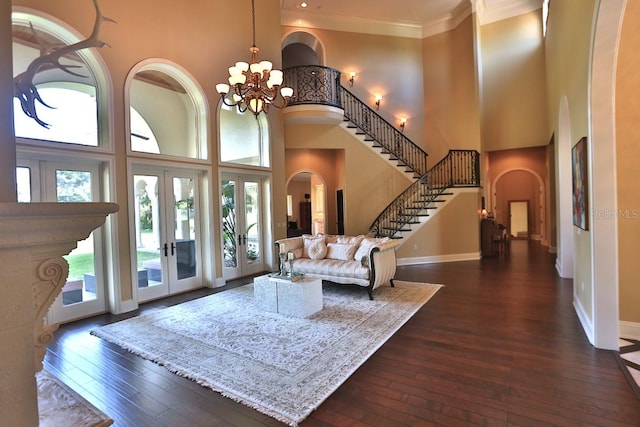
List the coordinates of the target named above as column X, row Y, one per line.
column 33, row 239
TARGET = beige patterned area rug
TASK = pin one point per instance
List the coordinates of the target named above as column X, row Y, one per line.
column 58, row 405
column 282, row 366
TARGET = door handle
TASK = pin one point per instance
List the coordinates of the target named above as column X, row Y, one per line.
column 165, row 248
column 173, row 248
column 244, row 239
column 239, row 240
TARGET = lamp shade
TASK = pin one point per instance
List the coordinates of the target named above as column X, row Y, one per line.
column 286, row 92
column 276, row 77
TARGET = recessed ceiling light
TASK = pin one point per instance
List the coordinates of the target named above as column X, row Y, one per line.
column 303, row 4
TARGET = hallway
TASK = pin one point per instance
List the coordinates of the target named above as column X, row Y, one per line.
column 500, row 344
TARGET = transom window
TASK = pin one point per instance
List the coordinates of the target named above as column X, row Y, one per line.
column 243, row 138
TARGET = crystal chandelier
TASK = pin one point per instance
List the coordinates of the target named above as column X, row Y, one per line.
column 254, row 86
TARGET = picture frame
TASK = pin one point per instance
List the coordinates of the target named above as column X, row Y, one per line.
column 580, row 196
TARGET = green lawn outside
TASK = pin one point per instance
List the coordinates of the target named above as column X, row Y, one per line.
column 82, row 263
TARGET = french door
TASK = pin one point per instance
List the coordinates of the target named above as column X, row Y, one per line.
column 167, row 252
column 84, row 292
column 242, row 225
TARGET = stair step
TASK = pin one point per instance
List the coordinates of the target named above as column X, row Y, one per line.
column 411, row 221
column 396, row 229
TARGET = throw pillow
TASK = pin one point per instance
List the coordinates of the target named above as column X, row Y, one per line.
column 317, row 250
column 341, row 251
column 308, row 241
column 365, row 247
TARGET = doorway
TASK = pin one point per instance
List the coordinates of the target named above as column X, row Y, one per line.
column 242, row 225
column 519, row 219
column 167, row 233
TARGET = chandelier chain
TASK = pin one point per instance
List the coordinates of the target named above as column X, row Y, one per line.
column 253, row 15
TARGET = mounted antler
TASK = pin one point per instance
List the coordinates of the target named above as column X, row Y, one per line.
column 26, row 91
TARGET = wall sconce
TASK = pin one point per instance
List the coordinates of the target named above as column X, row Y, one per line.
column 352, row 76
column 378, row 99
column 403, row 122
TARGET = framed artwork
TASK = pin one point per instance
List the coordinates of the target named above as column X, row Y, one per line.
column 580, row 184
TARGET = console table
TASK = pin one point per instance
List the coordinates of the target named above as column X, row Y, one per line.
column 298, row 299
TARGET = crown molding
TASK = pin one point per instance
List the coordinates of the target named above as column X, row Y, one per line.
column 350, row 24
column 488, row 11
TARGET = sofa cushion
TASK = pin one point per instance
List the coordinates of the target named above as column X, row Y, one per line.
column 332, row 268
column 341, row 251
column 350, row 240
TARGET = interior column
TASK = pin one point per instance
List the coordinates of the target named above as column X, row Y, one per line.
column 7, row 134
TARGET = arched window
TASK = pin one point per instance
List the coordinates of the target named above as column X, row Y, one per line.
column 167, row 112
column 67, row 107
column 244, row 138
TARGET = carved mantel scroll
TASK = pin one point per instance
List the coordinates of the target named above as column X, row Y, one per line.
column 35, row 236
column 53, row 273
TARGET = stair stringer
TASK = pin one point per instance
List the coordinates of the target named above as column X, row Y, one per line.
column 363, row 140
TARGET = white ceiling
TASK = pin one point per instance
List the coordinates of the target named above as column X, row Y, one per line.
column 410, row 18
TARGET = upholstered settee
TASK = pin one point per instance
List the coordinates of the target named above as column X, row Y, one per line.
column 359, row 260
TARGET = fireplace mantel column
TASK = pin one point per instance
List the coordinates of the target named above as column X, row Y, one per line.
column 33, row 239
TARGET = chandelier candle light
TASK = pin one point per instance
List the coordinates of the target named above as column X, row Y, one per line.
column 256, row 85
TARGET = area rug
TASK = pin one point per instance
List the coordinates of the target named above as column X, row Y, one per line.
column 58, row 405
column 282, row 366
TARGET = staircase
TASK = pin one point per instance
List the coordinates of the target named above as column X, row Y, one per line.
column 460, row 168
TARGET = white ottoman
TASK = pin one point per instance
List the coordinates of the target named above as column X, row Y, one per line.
column 298, row 299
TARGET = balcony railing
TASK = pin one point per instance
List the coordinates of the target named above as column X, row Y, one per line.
column 313, row 84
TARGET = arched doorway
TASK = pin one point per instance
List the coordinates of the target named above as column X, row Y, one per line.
column 306, row 204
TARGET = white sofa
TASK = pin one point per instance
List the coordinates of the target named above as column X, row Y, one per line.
column 358, row 260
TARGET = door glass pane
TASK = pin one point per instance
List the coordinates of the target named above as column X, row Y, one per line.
column 148, row 249
column 229, row 223
column 184, row 227
column 252, row 222
column 23, row 178
column 75, row 186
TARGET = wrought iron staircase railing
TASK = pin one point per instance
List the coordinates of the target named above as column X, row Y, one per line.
column 460, row 168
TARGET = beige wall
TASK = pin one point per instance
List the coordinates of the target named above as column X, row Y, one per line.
column 387, row 65
column 514, row 110
column 453, row 231
column 567, row 48
column 452, row 117
column 368, row 181
column 628, row 154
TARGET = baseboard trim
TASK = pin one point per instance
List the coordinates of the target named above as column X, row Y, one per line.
column 630, row 330
column 220, row 282
column 584, row 320
column 126, row 306
column 439, row 258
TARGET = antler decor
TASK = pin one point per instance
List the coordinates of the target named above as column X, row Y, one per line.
column 24, row 88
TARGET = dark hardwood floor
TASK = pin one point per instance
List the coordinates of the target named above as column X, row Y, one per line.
column 499, row 345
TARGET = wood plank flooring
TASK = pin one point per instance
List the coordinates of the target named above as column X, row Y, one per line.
column 499, row 345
